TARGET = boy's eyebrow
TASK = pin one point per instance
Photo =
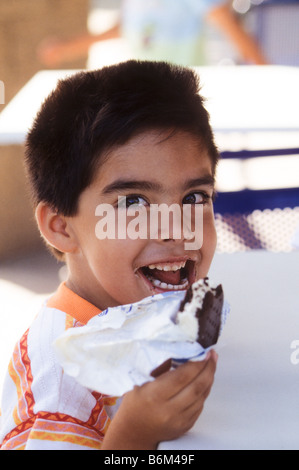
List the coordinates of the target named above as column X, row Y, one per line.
column 208, row 180
column 122, row 185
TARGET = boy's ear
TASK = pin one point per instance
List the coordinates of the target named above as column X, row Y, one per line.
column 55, row 229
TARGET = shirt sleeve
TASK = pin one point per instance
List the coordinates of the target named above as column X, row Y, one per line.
column 53, row 431
column 43, row 408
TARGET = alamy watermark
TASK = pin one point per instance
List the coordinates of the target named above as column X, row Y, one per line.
column 2, row 92
column 156, row 221
column 295, row 354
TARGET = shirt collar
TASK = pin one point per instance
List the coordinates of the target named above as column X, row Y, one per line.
column 66, row 300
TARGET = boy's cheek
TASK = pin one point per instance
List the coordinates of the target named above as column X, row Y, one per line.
column 212, row 240
column 207, row 251
column 209, row 231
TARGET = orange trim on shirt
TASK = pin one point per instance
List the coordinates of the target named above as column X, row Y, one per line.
column 54, row 427
column 72, row 304
column 20, row 372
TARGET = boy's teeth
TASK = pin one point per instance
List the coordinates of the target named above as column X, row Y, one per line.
column 163, row 285
column 167, row 276
column 168, row 267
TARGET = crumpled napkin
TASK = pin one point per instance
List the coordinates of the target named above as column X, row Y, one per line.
column 120, row 347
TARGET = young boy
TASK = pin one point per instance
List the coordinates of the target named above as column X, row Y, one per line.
column 137, row 133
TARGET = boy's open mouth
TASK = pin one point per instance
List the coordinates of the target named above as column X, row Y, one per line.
column 170, row 275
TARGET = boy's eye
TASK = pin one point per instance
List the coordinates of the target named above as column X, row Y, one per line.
column 196, row 198
column 128, row 201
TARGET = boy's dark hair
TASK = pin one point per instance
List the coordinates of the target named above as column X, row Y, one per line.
column 92, row 111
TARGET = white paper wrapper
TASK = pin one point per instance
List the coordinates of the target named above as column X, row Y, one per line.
column 120, row 347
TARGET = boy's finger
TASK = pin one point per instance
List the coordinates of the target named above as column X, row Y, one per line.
column 176, row 380
column 198, row 390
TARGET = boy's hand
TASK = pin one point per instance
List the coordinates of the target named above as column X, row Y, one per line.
column 163, row 409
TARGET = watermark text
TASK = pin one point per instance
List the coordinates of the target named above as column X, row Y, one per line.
column 295, row 354
column 155, row 222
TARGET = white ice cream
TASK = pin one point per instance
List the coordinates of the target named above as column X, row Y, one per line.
column 120, row 347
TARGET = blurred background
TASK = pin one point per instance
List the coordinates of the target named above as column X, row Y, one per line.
column 247, row 54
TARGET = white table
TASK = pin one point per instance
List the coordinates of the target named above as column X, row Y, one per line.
column 254, row 403
column 247, row 105
column 251, row 107
column 18, row 115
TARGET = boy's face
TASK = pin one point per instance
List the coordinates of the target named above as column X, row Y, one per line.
column 153, row 168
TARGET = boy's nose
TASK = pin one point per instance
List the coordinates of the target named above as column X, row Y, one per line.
column 179, row 225
column 169, row 228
